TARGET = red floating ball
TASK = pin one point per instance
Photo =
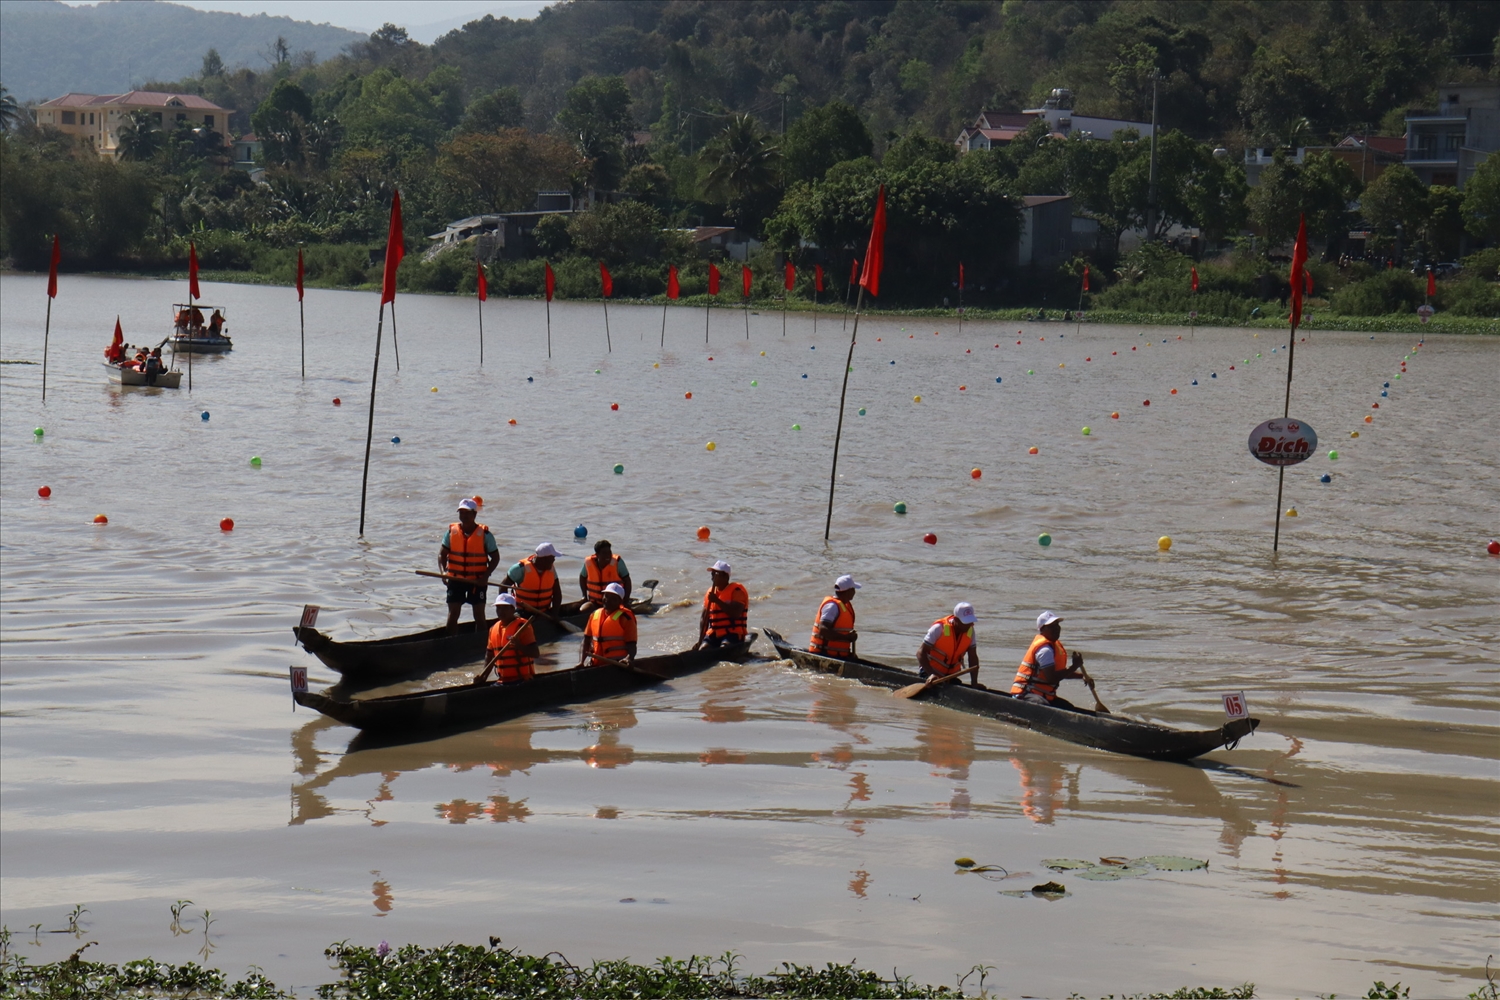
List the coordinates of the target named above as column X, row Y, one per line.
column 1174, row 392
column 226, row 524
column 1114, row 352
column 1088, row 359
column 1374, row 406
column 1493, row 548
column 337, row 401
column 703, row 533
column 1146, row 403
column 975, row 474
column 44, row 492
column 614, row 406
column 930, row 538
column 687, row 395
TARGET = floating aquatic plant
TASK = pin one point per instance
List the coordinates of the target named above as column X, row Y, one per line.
column 1113, row 869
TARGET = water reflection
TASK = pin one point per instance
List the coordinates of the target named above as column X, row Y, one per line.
column 1042, row 781
column 608, row 751
column 384, row 900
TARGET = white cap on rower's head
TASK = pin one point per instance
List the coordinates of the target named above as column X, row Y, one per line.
column 719, row 567
column 547, row 549
column 846, row 582
column 964, row 612
column 505, row 598
column 1047, row 618
column 616, row 589
column 467, row 504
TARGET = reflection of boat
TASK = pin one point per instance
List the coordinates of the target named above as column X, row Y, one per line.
column 193, row 336
column 1105, row 732
column 374, row 661
column 468, row 706
column 131, row 376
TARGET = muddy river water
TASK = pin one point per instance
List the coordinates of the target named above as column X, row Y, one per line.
column 150, row 753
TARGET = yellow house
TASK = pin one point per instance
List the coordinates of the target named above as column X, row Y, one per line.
column 98, row 117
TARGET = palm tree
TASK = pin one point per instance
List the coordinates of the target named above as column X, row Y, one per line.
column 11, row 113
column 744, row 165
column 138, row 137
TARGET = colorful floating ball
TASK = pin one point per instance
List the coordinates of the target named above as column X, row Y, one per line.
column 530, row 379
column 581, row 531
column 753, row 383
column 703, row 533
column 710, row 357
column 1195, row 381
column 1493, row 548
column 226, row 524
column 1369, row 419
column 796, row 427
column 255, row 461
column 1030, row 371
column 930, row 538
column 44, row 492
column 433, row 389
column 100, row 519
column 1115, row 415
column 337, row 401
column 1164, row 543
column 1061, row 365
column 963, row 388
column 478, row 500
column 1385, row 385
column 900, row 507
column 762, row 353
column 975, row 473
column 614, row 406
column 1333, row 456
column 203, row 415
column 1214, row 375
column 687, row 395
column 1385, row 393
column 1325, row 478
column 804, row 375
column 812, row 348
column 655, row 365
column 861, row 411
column 916, row 399
column 1354, row 434
column 512, row 421
column 710, row 446
column 1291, row 512
column 1087, row 432
column 1044, row 539
column 598, row 371
column 38, row 432
column 997, row 379
column 1146, row 403
column 1032, row 450
column 619, row 469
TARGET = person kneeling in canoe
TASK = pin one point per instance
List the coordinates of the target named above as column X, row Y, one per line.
column 946, row 643
column 833, row 633
column 599, row 570
column 467, row 558
column 609, row 637
column 534, row 580
column 1045, row 665
column 512, row 649
column 726, row 606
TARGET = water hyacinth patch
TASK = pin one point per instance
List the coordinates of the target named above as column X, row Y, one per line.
column 1114, row 869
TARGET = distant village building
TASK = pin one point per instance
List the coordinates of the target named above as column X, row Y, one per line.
column 998, row 128
column 734, row 244
column 97, row 117
column 1367, row 155
column 503, row 235
column 1446, row 147
column 1047, row 231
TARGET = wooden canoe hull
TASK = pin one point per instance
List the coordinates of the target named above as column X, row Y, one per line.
column 469, row 707
column 1104, row 732
column 369, row 662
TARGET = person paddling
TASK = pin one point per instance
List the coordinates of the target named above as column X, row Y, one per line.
column 609, row 639
column 726, row 608
column 468, row 556
column 599, row 570
column 534, row 580
column 1045, row 665
column 946, row 645
column 833, row 633
column 512, row 649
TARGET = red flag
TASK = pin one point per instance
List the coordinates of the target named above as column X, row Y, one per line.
column 1431, row 282
column 960, row 276
column 875, row 253
column 395, row 249
column 606, row 283
column 745, row 279
column 483, row 286
column 193, row 272
column 551, row 279
column 713, row 279
column 1085, row 277
column 116, row 349
column 52, row 274
column 854, row 271
column 1195, row 279
column 673, row 288
column 1307, row 281
column 299, row 274
column 1299, row 275
column 791, row 276
column 818, row 277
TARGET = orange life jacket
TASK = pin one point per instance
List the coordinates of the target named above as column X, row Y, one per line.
column 598, row 577
column 947, row 654
column 536, row 588
column 611, row 630
column 722, row 622
column 1026, row 681
column 467, row 559
column 839, row 645
column 511, row 666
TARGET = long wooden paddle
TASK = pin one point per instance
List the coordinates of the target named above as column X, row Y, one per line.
column 1098, row 705
column 611, row 662
column 490, row 663
column 566, row 626
column 912, row 690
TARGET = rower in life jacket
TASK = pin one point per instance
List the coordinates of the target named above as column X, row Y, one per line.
column 726, row 607
column 511, row 650
column 833, row 633
column 609, row 637
column 600, row 569
column 534, row 580
column 948, row 642
column 1045, row 665
column 467, row 557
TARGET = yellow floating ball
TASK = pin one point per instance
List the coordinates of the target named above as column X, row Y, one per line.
column 433, row 389
column 762, row 353
column 1354, row 434
column 1061, row 365
column 1164, row 542
column 1291, row 512
column 916, row 399
column 710, row 446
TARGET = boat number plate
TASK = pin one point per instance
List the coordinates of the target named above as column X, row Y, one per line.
column 299, row 679
column 1235, row 705
column 310, row 615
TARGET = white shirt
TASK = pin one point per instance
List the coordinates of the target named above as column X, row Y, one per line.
column 1045, row 657
column 936, row 632
column 830, row 613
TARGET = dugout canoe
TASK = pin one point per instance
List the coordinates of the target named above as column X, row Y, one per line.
column 369, row 662
column 1104, row 732
column 465, row 706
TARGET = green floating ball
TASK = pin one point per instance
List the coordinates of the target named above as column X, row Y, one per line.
column 796, row 427
column 598, row 371
column 39, row 432
column 1030, row 372
column 861, row 411
column 1333, row 456
column 754, row 383
column 1044, row 539
column 255, row 460
column 1398, row 376
column 619, row 469
column 1087, row 432
column 900, row 507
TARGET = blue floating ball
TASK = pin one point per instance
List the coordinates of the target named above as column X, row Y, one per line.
column 1195, row 381
column 813, row 348
column 1325, row 478
column 1214, row 375
column 1385, row 385
column 1372, row 338
column 893, row 362
column 804, row 376
column 530, row 379
column 395, row 440
column 997, row 380
column 203, row 415
column 580, row 532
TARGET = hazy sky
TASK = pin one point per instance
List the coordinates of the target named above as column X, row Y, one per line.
column 424, row 21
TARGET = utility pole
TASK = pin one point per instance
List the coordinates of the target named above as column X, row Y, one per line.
column 1151, row 190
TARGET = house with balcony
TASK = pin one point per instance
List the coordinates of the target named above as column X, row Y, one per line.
column 97, row 118
column 1447, row 146
column 1367, row 155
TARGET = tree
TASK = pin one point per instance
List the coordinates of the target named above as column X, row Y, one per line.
column 1445, row 222
column 213, row 65
column 1193, row 187
column 11, row 115
column 822, row 137
column 595, row 118
column 279, row 123
column 627, row 231
column 1481, row 208
column 501, row 109
column 743, row 166
column 915, row 148
column 501, row 172
column 1397, row 198
column 648, row 182
column 138, row 138
column 1321, row 188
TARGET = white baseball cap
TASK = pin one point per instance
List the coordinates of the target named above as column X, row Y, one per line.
column 719, row 567
column 504, row 598
column 467, row 504
column 1047, row 618
column 964, row 612
column 546, row 549
column 614, row 588
column 846, row 582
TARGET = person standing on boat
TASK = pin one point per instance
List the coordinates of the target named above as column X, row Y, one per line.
column 517, row 662
column 609, row 637
column 534, row 580
column 216, row 324
column 468, row 556
column 1045, row 665
column 154, row 366
column 947, row 643
column 600, row 569
column 726, row 608
column 833, row 633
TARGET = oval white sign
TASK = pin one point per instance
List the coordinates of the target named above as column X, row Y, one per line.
column 1283, row 441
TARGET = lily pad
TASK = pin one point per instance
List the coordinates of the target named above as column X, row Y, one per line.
column 1170, row 863
column 1049, row 888
column 1111, row 873
column 1066, row 864
column 964, row 862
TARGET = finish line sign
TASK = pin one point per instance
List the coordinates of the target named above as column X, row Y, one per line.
column 1283, row 442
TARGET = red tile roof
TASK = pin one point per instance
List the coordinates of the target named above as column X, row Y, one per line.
column 138, row 98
